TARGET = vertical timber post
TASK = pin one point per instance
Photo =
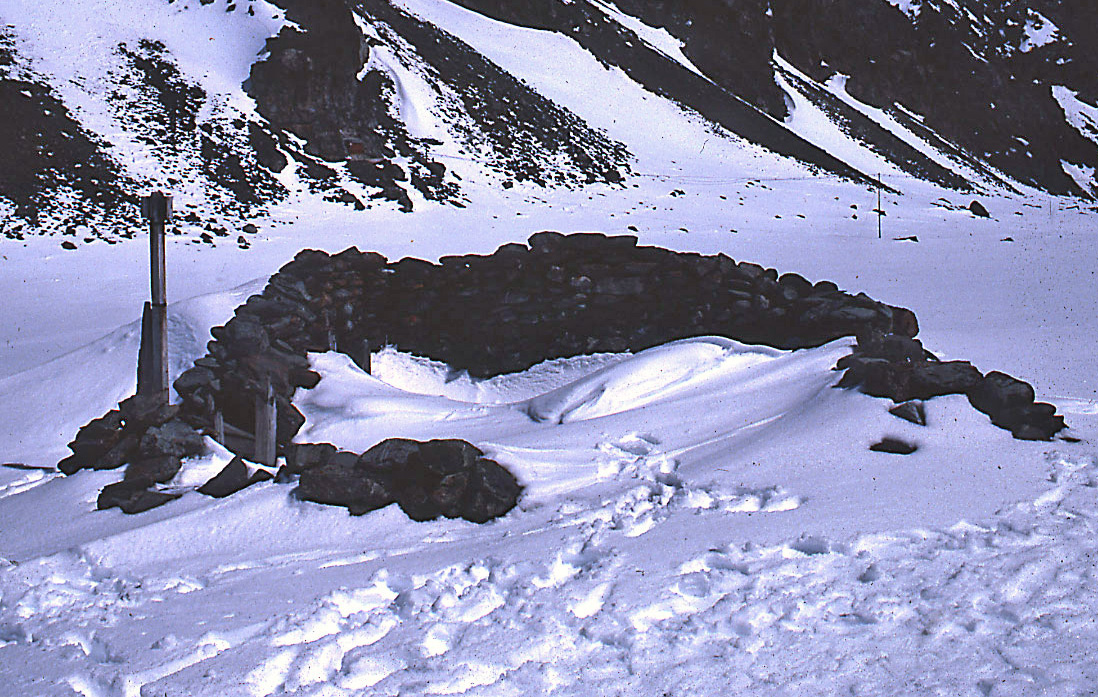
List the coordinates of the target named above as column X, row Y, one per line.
column 362, row 358
column 219, row 427
column 266, row 424
column 152, row 367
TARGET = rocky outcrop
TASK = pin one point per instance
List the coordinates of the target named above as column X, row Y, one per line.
column 982, row 91
column 327, row 82
column 47, row 150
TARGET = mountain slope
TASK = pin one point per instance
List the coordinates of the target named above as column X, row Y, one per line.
column 393, row 100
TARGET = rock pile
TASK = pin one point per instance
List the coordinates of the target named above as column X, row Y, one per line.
column 439, row 478
column 558, row 296
column 146, row 436
column 898, row 367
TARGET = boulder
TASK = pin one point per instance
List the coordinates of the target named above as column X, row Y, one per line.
column 931, row 379
column 303, row 456
column 131, row 497
column 440, row 478
column 234, row 477
column 978, row 209
column 173, row 438
column 894, row 446
column 153, row 470
column 341, row 481
column 244, row 335
column 998, row 391
column 195, row 379
column 913, row 411
column 434, row 478
column 148, row 410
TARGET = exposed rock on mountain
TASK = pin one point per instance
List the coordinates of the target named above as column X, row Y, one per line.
column 402, row 101
column 55, row 176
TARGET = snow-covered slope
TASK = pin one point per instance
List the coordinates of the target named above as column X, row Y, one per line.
column 407, row 102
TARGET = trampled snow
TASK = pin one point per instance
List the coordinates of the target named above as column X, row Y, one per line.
column 703, row 518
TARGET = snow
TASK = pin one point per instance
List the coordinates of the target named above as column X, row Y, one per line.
column 658, row 38
column 701, row 518
column 911, row 8
column 1039, row 31
column 1082, row 116
column 414, row 97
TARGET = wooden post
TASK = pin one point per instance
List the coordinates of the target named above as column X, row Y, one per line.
column 152, row 368
column 266, row 424
column 219, row 427
column 363, row 357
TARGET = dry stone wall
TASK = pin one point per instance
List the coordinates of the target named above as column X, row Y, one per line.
column 557, row 296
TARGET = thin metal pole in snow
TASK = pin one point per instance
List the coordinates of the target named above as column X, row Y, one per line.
column 152, row 365
column 880, row 211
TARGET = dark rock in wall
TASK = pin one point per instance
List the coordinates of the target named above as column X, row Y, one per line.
column 442, row 478
column 153, row 470
column 132, row 497
column 897, row 367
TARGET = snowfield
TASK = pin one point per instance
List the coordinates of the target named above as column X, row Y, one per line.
column 702, row 518
column 755, row 545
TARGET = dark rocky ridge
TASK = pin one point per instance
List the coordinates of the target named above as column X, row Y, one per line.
column 309, row 86
column 48, row 153
column 957, row 65
column 559, row 296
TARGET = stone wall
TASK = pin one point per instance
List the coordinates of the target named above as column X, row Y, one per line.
column 560, row 296
column 557, row 296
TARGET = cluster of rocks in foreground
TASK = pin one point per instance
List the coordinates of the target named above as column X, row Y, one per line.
column 557, row 296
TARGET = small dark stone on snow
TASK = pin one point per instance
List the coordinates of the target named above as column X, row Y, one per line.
column 913, row 411
column 909, row 238
column 978, row 210
column 894, row 446
column 250, row 229
column 67, row 245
